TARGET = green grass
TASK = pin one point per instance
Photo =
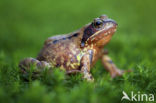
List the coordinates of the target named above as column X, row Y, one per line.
column 24, row 25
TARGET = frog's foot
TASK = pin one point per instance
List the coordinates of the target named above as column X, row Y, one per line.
column 111, row 67
column 117, row 72
column 88, row 77
column 28, row 62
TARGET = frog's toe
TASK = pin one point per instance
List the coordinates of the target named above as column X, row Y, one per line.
column 88, row 77
column 119, row 72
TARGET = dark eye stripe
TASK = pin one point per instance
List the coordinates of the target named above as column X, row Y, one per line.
column 89, row 31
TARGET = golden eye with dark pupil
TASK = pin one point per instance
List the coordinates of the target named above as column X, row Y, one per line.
column 97, row 23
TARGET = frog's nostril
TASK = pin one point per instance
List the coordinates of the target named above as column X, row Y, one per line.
column 104, row 17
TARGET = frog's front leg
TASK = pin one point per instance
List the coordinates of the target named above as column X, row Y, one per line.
column 110, row 66
column 85, row 66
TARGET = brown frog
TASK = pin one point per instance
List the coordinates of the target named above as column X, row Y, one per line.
column 78, row 51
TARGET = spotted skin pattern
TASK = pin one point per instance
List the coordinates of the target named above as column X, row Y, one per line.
column 78, row 51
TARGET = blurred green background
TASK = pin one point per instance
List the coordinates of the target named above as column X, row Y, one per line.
column 25, row 24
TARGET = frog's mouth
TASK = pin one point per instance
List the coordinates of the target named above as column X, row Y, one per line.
column 105, row 34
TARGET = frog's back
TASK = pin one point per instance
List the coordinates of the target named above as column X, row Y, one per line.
column 60, row 51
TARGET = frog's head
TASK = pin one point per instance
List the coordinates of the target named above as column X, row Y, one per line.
column 99, row 32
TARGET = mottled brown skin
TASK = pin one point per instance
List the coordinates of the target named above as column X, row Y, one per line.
column 78, row 51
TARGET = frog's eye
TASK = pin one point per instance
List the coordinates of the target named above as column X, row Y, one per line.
column 98, row 23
